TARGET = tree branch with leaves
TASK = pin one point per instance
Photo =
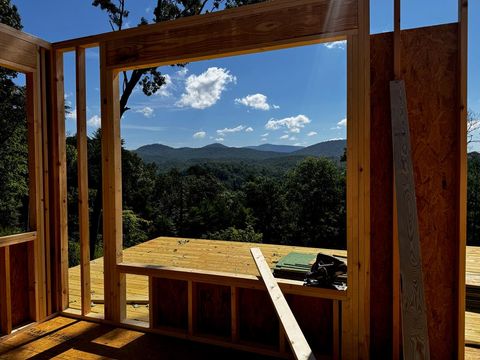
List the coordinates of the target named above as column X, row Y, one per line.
column 151, row 79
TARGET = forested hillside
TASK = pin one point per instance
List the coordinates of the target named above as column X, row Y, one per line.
column 301, row 202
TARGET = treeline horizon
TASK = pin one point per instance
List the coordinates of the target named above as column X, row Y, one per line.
column 303, row 205
column 301, row 202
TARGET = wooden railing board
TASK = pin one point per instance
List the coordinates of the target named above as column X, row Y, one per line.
column 17, row 239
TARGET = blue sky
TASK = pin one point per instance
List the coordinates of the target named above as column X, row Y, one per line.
column 294, row 96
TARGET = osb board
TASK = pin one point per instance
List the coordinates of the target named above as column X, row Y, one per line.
column 258, row 321
column 315, row 318
column 429, row 68
column 19, row 284
column 170, row 303
column 213, row 310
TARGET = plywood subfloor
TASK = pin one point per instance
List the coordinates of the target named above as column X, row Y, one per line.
column 65, row 338
column 213, row 255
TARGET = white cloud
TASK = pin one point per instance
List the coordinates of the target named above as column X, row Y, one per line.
column 340, row 125
column 71, row 115
column 276, row 107
column 265, row 135
column 264, row 139
column 292, row 138
column 256, row 101
column 293, row 124
column 284, row 137
column 226, row 131
column 146, row 111
column 165, row 88
column 312, row 133
column 145, row 128
column 249, row 129
column 95, row 121
column 204, row 90
column 199, row 135
column 336, row 45
column 219, row 139
column 182, row 72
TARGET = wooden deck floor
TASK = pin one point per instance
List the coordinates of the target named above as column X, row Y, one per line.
column 64, row 338
column 226, row 256
column 233, row 257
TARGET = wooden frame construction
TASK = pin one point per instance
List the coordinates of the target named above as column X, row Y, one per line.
column 27, row 54
column 266, row 26
column 280, row 24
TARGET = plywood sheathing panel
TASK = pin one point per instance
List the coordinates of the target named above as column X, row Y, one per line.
column 19, row 284
column 213, row 312
column 429, row 68
column 315, row 318
column 258, row 321
column 169, row 303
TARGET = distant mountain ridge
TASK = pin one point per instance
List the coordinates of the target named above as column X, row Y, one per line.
column 276, row 148
column 162, row 154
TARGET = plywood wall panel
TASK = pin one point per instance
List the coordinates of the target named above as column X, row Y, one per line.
column 258, row 321
column 429, row 68
column 169, row 303
column 19, row 284
column 315, row 318
column 213, row 310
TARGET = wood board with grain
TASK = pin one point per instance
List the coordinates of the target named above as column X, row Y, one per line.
column 414, row 312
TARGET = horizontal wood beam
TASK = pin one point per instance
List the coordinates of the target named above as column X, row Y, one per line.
column 17, row 54
column 228, row 279
column 17, row 239
column 318, row 17
column 265, row 26
column 275, row 25
column 5, row 29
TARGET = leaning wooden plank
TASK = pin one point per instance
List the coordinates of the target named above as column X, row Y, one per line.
column 414, row 314
column 296, row 339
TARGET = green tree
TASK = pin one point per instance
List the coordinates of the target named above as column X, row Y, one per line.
column 265, row 196
column 233, row 234
column 473, row 199
column 315, row 195
column 13, row 141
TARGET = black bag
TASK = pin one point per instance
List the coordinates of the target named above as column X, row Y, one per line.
column 325, row 273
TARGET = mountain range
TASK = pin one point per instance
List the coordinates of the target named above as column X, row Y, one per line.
column 166, row 155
